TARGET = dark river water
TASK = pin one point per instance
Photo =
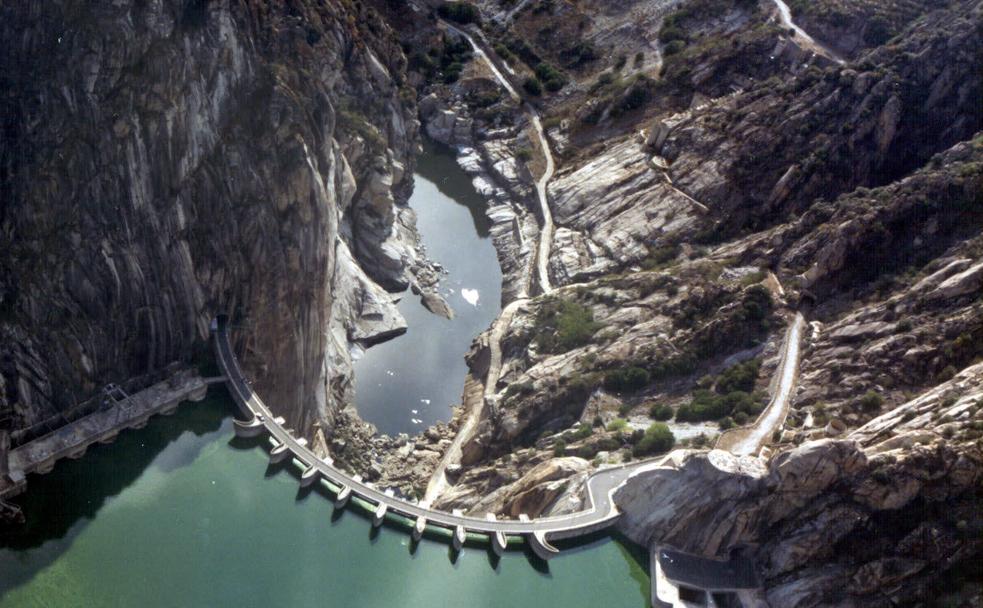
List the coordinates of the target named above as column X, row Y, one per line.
column 181, row 514
column 411, row 382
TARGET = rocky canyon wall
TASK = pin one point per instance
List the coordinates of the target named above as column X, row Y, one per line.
column 163, row 161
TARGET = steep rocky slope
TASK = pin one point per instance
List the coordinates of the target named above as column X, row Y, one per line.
column 850, row 192
column 166, row 161
column 887, row 516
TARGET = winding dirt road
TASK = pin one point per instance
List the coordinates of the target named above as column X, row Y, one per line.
column 438, row 480
column 746, row 444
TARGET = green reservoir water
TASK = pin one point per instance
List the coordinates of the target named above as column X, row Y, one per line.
column 182, row 514
column 409, row 383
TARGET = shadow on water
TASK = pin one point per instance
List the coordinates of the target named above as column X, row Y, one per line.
column 438, row 164
column 493, row 559
column 640, row 557
column 538, row 564
column 60, row 504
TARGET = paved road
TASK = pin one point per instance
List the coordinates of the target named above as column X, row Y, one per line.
column 438, row 480
column 804, row 39
column 600, row 514
column 775, row 413
column 546, row 233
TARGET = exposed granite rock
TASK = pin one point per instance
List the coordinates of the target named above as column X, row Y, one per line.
column 536, row 491
column 612, row 209
column 180, row 160
column 830, row 522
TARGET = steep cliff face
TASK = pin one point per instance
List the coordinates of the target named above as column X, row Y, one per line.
column 164, row 161
column 865, row 124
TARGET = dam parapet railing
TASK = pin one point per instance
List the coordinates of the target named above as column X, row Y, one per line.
column 537, row 532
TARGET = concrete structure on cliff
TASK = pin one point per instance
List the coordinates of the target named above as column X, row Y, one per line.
column 601, row 514
column 102, row 426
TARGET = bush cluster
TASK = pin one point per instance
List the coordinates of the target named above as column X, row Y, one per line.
column 660, row 411
column 725, row 396
column 629, row 379
column 449, row 59
column 461, row 12
column 657, row 439
column 552, row 78
column 564, row 325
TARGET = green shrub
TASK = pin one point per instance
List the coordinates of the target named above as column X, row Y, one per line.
column 520, row 388
column 580, row 53
column 726, row 423
column 660, row 412
column 739, row 377
column 670, row 32
column 604, row 78
column 674, row 47
column 552, row 78
column 657, row 439
column 740, row 418
column 559, row 447
column 637, row 95
column 564, row 325
column 618, row 424
column 461, row 12
column 533, row 86
column 626, row 380
column 660, row 255
column 871, row 401
column 583, row 431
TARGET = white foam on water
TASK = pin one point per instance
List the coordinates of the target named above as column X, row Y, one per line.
column 470, row 296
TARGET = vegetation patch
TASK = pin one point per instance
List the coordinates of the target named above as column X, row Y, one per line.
column 461, row 12
column 445, row 62
column 627, row 380
column 656, row 440
column 552, row 78
column 727, row 397
column 563, row 325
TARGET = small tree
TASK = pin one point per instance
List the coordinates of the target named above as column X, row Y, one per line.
column 871, row 401
column 559, row 447
column 657, row 439
column 660, row 411
column 533, row 86
column 617, row 424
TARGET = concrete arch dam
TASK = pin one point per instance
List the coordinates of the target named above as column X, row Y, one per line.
column 538, row 532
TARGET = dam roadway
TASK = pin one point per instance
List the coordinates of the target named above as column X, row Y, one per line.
column 538, row 532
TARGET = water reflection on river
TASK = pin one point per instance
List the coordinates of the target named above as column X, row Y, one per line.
column 409, row 383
